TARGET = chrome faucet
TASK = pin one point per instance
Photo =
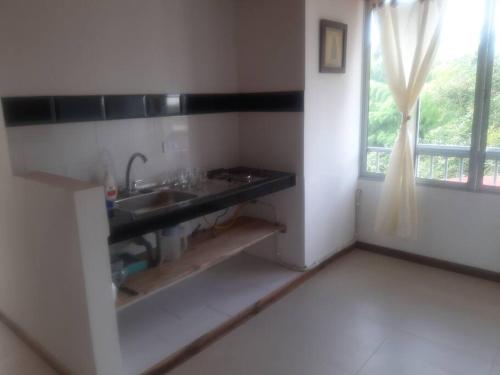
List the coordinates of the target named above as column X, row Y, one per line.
column 130, row 186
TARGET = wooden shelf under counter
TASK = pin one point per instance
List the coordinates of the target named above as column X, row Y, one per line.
column 205, row 250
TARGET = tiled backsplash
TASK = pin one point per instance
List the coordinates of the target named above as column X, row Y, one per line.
column 26, row 110
column 85, row 150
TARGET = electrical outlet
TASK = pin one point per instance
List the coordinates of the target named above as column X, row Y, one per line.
column 167, row 146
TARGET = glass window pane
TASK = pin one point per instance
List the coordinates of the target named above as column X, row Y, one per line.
column 492, row 163
column 447, row 99
column 383, row 116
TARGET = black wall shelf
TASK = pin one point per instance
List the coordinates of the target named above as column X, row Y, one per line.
column 39, row 110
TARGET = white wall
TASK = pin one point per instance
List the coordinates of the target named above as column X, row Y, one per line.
column 51, row 47
column 270, row 45
column 271, row 58
column 331, row 133
column 456, row 226
column 274, row 141
column 117, row 46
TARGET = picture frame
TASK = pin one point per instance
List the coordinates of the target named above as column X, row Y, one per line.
column 333, row 46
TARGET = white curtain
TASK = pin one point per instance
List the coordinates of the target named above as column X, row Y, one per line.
column 409, row 33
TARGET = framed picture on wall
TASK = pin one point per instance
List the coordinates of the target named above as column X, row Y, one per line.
column 332, row 46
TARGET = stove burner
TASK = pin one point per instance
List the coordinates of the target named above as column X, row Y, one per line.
column 245, row 178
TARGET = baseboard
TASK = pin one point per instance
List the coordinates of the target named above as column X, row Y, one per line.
column 217, row 333
column 330, row 257
column 429, row 261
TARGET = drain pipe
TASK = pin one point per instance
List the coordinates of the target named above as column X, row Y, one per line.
column 153, row 253
column 357, row 208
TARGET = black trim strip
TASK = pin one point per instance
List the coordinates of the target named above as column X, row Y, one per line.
column 163, row 105
column 194, row 104
column 79, row 108
column 125, row 106
column 34, row 110
column 31, row 110
column 277, row 102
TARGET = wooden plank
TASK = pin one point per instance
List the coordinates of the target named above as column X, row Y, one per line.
column 205, row 250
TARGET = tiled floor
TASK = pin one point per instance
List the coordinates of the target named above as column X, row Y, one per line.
column 370, row 315
column 16, row 358
column 156, row 327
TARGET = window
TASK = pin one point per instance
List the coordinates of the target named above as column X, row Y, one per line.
column 492, row 156
column 447, row 99
column 452, row 111
column 383, row 116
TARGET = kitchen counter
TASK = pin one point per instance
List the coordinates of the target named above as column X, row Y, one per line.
column 214, row 195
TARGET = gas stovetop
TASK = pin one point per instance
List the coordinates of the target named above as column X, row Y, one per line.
column 238, row 176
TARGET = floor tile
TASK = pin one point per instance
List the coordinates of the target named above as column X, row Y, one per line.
column 179, row 333
column 313, row 332
column 294, row 332
column 141, row 352
column 444, row 307
column 242, row 281
column 258, row 272
column 455, row 327
column 228, row 288
column 231, row 300
column 160, row 325
column 407, row 354
column 367, row 314
column 221, row 363
column 143, row 318
column 188, row 297
column 139, row 327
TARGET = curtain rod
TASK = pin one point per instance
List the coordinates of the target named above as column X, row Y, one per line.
column 392, row 3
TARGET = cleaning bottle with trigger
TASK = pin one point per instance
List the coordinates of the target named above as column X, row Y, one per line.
column 111, row 191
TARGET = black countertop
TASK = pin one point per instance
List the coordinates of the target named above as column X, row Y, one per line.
column 123, row 226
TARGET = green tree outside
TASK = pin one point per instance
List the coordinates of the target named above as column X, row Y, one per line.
column 446, row 114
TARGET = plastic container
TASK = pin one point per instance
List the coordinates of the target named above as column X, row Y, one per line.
column 172, row 242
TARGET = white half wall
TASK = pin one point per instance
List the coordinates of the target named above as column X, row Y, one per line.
column 55, row 281
column 331, row 133
column 457, row 226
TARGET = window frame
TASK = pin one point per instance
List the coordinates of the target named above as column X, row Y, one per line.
column 480, row 122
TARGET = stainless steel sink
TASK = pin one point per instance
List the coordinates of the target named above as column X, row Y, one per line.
column 147, row 203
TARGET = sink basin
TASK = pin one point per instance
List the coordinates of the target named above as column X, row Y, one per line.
column 143, row 204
